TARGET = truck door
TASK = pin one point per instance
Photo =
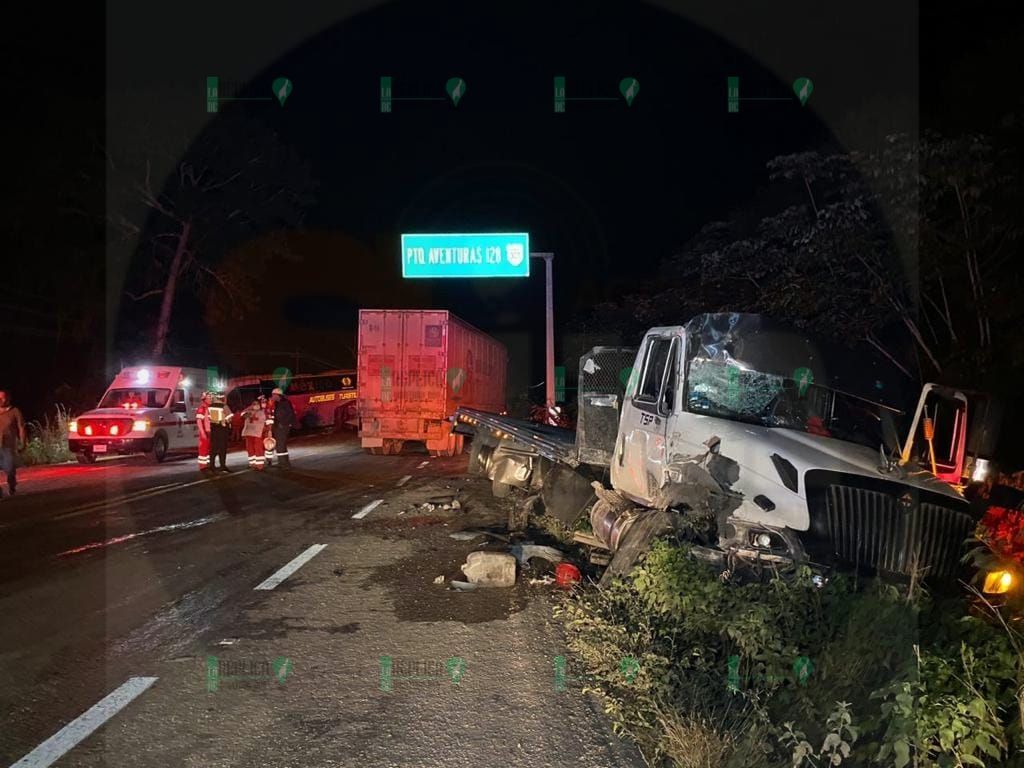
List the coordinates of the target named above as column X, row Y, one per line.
column 638, row 464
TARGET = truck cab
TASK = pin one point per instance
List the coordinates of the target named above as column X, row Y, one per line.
column 803, row 468
column 146, row 410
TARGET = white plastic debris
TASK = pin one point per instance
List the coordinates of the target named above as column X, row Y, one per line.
column 439, row 579
column 490, row 569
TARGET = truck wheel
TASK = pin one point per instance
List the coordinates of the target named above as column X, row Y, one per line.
column 159, row 452
column 86, row 458
column 499, row 489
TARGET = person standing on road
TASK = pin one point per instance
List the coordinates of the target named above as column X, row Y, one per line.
column 220, row 431
column 284, row 418
column 12, row 436
column 203, row 425
column 268, row 433
column 255, row 418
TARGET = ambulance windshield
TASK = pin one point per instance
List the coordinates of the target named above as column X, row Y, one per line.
column 135, row 398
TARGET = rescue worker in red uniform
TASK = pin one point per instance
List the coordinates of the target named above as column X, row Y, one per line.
column 203, row 425
column 255, row 418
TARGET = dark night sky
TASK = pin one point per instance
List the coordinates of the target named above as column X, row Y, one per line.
column 612, row 190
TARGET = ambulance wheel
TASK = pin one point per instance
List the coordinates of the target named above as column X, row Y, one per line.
column 393, row 447
column 86, row 458
column 159, row 452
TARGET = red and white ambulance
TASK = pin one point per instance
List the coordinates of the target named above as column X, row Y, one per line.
column 146, row 409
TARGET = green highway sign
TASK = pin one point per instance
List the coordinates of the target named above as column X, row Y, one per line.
column 493, row 254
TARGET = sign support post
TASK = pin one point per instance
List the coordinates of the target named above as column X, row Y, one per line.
column 549, row 333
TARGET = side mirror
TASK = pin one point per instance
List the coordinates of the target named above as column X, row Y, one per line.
column 890, row 439
column 179, row 408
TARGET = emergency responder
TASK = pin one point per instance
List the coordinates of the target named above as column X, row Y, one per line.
column 12, row 434
column 255, row 418
column 284, row 418
column 203, row 425
column 220, row 431
column 268, row 432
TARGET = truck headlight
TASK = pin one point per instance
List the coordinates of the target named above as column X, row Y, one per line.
column 997, row 582
column 140, row 426
column 980, row 470
column 73, row 426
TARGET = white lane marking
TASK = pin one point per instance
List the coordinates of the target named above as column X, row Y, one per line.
column 292, row 567
column 367, row 509
column 403, row 481
column 68, row 737
column 422, row 464
column 158, row 529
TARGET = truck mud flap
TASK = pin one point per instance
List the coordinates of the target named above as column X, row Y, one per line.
column 567, row 493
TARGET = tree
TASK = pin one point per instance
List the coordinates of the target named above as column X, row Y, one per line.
column 234, row 183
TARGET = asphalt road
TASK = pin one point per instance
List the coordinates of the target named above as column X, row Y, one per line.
column 147, row 618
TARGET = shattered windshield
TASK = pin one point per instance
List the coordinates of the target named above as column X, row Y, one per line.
column 727, row 389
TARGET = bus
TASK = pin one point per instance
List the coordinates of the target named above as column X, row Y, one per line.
column 321, row 400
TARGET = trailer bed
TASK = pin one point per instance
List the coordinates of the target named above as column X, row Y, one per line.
column 554, row 443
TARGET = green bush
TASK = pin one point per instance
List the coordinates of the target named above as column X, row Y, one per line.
column 47, row 441
column 786, row 673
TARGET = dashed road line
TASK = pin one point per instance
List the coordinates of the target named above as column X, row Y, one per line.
column 403, row 481
column 68, row 737
column 367, row 509
column 292, row 567
column 422, row 464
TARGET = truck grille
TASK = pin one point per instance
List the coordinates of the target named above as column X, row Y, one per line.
column 102, row 426
column 887, row 526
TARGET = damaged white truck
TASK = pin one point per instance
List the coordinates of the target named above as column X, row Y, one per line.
column 741, row 436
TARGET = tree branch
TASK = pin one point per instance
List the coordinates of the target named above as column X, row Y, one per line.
column 146, row 295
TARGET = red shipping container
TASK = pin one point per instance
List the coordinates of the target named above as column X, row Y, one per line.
column 416, row 366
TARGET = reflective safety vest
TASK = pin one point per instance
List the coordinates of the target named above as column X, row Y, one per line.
column 220, row 413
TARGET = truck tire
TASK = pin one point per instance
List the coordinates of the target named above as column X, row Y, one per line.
column 86, row 457
column 159, row 451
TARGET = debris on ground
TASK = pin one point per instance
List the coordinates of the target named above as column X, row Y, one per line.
column 462, row 586
column 544, row 580
column 439, row 579
column 490, row 569
column 567, row 574
column 524, row 552
column 465, row 535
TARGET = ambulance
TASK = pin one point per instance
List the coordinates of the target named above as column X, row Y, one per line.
column 147, row 409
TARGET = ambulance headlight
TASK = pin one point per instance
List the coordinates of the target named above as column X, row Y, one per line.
column 142, row 376
column 140, row 425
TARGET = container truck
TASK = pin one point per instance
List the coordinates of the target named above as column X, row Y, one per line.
column 415, row 367
column 748, row 438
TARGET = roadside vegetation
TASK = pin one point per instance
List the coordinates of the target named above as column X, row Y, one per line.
column 786, row 673
column 47, row 441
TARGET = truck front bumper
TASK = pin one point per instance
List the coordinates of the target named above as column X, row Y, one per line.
column 112, row 445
